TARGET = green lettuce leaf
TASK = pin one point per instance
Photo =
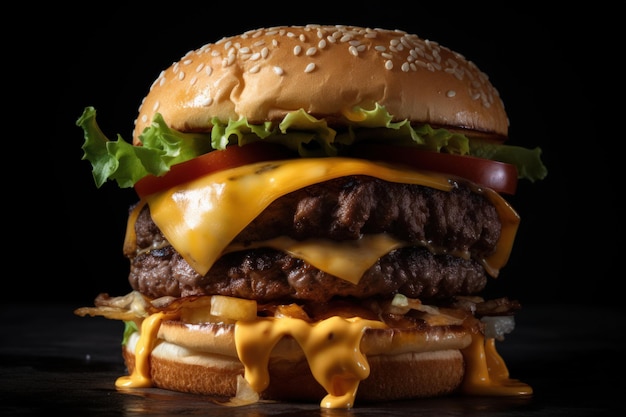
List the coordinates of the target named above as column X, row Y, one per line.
column 311, row 137
column 130, row 327
column 527, row 161
column 120, row 161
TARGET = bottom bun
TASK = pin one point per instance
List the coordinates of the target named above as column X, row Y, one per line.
column 392, row 377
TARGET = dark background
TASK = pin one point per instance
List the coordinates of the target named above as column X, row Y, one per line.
column 551, row 69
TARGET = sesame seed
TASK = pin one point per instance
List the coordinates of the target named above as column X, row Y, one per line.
column 297, row 49
column 311, row 51
column 255, row 69
column 202, row 101
column 278, row 70
column 389, row 64
column 310, row 67
column 451, row 93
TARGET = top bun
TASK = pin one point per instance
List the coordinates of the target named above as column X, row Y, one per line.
column 326, row 70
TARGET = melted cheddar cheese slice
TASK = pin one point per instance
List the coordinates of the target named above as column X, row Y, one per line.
column 201, row 217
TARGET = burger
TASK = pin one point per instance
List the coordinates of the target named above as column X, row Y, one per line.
column 319, row 211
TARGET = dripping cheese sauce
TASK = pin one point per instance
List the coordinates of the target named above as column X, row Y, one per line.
column 336, row 363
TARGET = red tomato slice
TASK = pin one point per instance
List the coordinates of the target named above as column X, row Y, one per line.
column 231, row 157
column 499, row 176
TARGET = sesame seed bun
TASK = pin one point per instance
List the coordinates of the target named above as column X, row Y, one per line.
column 328, row 290
column 202, row 359
column 327, row 71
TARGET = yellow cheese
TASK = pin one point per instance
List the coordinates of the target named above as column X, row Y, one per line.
column 140, row 377
column 486, row 373
column 346, row 259
column 332, row 348
column 130, row 239
column 200, row 218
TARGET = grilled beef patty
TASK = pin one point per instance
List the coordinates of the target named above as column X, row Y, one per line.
column 456, row 222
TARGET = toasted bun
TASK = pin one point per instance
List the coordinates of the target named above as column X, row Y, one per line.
column 405, row 376
column 403, row 364
column 327, row 71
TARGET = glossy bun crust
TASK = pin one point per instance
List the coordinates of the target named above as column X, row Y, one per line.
column 327, row 71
